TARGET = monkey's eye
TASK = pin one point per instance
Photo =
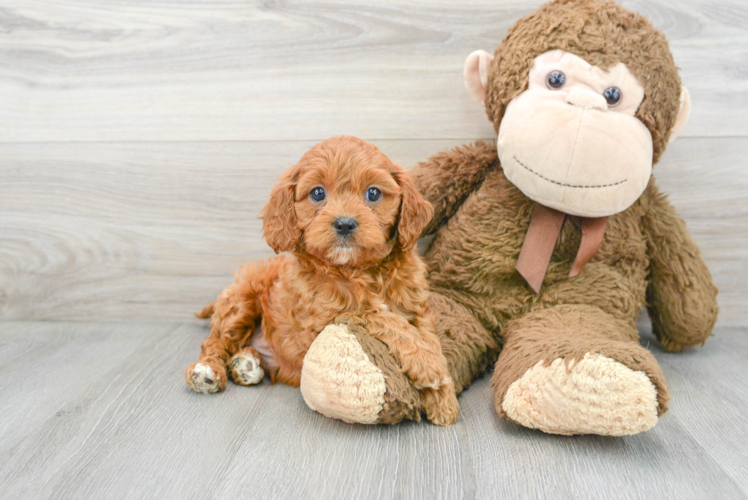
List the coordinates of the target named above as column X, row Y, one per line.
column 373, row 194
column 317, row 194
column 555, row 80
column 613, row 96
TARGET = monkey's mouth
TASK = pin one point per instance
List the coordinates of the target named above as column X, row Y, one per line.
column 580, row 186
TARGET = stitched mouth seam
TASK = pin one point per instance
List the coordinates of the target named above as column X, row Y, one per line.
column 568, row 185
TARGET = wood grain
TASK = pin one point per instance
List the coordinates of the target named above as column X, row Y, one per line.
column 84, row 70
column 45, row 366
column 134, row 430
column 154, row 230
column 687, row 454
column 138, row 143
column 139, row 431
column 709, row 402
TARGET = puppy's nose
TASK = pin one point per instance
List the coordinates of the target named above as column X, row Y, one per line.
column 345, row 225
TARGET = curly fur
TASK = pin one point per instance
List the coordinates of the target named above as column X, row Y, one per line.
column 646, row 258
column 373, row 278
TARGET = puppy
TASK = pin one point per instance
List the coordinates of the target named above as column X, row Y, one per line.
column 350, row 219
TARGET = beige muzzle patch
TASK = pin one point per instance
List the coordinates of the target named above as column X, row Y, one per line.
column 580, row 161
column 339, row 381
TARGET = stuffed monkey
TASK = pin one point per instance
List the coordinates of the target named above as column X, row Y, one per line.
column 547, row 247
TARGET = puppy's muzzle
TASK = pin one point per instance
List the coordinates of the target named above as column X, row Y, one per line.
column 345, row 226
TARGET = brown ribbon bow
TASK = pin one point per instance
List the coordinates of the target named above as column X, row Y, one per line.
column 545, row 226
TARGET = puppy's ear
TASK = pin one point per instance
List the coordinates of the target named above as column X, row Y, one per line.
column 415, row 211
column 279, row 223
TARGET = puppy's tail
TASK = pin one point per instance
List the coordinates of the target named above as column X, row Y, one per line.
column 207, row 311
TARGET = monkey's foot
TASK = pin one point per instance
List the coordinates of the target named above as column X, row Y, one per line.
column 595, row 395
column 350, row 376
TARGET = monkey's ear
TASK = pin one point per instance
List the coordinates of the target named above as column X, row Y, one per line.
column 685, row 110
column 279, row 223
column 477, row 65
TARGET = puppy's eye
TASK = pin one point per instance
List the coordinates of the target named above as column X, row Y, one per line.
column 373, row 194
column 317, row 194
column 555, row 80
column 613, row 95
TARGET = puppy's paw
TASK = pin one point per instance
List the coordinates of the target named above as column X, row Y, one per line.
column 434, row 383
column 205, row 378
column 426, row 373
column 245, row 367
column 441, row 405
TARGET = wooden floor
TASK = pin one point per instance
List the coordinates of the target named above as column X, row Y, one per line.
column 138, row 142
column 101, row 410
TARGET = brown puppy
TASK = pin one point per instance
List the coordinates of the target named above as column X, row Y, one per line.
column 350, row 219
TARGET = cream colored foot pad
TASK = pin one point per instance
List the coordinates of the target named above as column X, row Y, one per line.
column 596, row 395
column 339, row 381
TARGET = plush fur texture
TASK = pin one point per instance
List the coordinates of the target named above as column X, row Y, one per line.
column 335, row 358
column 594, row 395
column 558, row 146
column 647, row 257
column 371, row 277
column 603, row 34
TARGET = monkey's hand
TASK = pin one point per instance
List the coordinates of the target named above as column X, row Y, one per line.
column 681, row 297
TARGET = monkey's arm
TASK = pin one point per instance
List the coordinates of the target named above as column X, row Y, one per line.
column 681, row 297
column 447, row 178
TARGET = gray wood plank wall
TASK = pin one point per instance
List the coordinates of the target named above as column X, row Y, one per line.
column 138, row 140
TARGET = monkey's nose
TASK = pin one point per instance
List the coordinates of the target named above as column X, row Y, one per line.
column 345, row 226
column 586, row 99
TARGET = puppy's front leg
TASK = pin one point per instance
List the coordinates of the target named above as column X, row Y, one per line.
column 418, row 351
column 440, row 403
column 420, row 357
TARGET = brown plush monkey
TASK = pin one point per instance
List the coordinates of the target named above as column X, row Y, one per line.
column 548, row 247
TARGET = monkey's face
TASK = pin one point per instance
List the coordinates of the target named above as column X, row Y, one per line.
column 571, row 140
